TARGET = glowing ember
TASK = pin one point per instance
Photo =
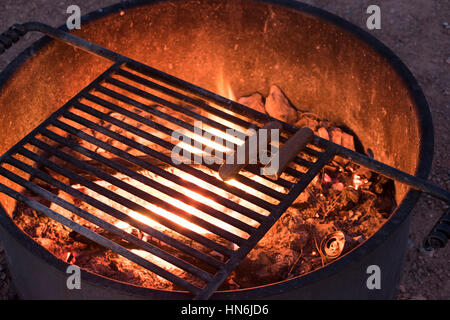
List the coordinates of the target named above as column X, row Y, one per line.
column 327, row 178
column 359, row 181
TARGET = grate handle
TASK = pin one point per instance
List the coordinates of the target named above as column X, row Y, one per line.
column 232, row 165
column 288, row 152
column 14, row 33
column 11, row 36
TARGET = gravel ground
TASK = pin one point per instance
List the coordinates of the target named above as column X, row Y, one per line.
column 418, row 31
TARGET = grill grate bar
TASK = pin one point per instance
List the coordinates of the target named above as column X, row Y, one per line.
column 155, row 169
column 312, row 152
column 85, row 231
column 141, row 194
column 99, row 222
column 169, row 146
column 136, row 191
column 194, row 115
column 183, row 97
column 144, row 94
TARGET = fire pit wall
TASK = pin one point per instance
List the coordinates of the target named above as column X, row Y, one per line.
column 323, row 64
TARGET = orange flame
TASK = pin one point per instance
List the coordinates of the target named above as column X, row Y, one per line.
column 224, row 87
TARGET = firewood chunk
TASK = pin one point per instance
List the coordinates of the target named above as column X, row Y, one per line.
column 278, row 106
column 336, row 135
column 306, row 121
column 254, row 101
column 323, row 133
column 347, row 141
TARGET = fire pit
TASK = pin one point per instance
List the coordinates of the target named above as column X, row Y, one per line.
column 294, row 45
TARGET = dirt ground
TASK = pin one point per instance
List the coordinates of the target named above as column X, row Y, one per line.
column 418, row 31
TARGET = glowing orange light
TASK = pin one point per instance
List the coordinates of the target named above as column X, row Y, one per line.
column 357, row 182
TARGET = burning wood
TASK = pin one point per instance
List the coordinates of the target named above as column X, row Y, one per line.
column 254, row 101
column 278, row 106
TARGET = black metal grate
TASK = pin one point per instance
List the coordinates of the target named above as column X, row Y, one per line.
column 124, row 101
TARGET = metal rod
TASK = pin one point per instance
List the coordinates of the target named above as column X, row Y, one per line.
column 251, row 183
column 139, row 193
column 206, row 107
column 166, row 117
column 393, row 173
column 182, row 97
column 124, row 217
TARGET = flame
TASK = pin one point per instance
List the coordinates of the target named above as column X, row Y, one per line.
column 224, row 87
column 166, row 214
column 190, row 209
